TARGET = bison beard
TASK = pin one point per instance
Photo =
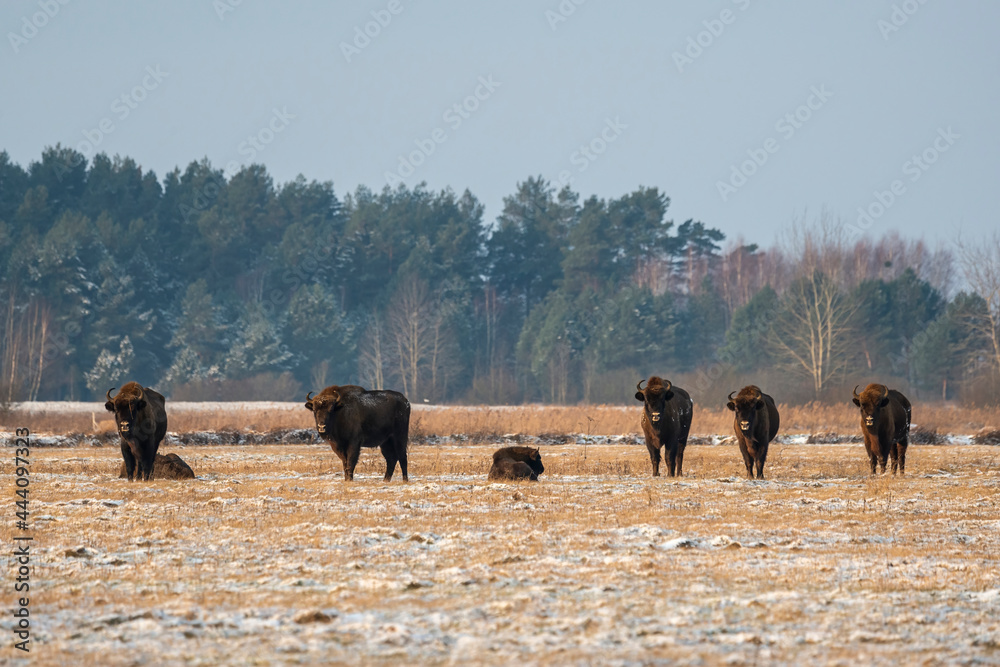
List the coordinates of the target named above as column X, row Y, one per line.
column 516, row 463
column 666, row 421
column 885, row 425
column 350, row 417
column 756, row 424
column 141, row 417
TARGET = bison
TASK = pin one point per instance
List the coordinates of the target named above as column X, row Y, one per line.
column 170, row 466
column 666, row 421
column 885, row 423
column 516, row 463
column 349, row 417
column 756, row 424
column 141, row 417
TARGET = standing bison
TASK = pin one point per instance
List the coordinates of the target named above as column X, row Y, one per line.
column 756, row 424
column 885, row 423
column 142, row 422
column 516, row 463
column 666, row 421
column 350, row 417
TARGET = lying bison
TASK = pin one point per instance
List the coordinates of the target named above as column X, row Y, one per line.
column 885, row 424
column 170, row 466
column 350, row 417
column 516, row 463
column 756, row 424
column 141, row 417
column 666, row 421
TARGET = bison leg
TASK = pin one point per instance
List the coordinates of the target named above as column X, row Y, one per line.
column 654, row 457
column 146, row 465
column 874, row 462
column 761, row 458
column 400, row 440
column 747, row 460
column 901, row 453
column 353, row 454
column 389, row 453
column 672, row 460
column 401, row 455
column 129, row 461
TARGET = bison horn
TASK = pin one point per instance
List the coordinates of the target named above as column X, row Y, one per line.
column 308, row 396
column 759, row 395
column 109, row 394
column 885, row 392
column 856, row 391
column 639, row 386
column 142, row 394
column 731, row 395
column 669, row 385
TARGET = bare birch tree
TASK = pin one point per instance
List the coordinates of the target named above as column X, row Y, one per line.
column 373, row 358
column 423, row 345
column 811, row 335
column 981, row 266
column 24, row 335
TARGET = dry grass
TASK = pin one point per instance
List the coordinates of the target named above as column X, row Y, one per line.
column 819, row 564
column 485, row 422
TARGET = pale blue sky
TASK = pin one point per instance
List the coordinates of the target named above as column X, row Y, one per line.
column 885, row 97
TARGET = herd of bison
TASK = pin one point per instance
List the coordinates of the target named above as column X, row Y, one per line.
column 350, row 417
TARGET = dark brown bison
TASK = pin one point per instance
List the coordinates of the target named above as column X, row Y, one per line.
column 141, row 417
column 885, row 423
column 516, row 463
column 170, row 466
column 666, row 421
column 756, row 424
column 350, row 417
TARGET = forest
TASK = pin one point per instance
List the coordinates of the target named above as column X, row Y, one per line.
column 210, row 285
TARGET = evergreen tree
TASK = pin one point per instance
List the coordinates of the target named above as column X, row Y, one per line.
column 746, row 347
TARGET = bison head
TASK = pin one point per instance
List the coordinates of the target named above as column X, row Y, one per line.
column 745, row 405
column 323, row 407
column 535, row 462
column 126, row 405
column 871, row 401
column 654, row 396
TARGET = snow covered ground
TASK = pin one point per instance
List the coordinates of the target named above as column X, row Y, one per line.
column 270, row 558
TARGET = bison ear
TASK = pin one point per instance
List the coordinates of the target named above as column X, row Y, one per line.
column 731, row 406
column 668, row 396
column 884, row 402
column 309, row 406
column 140, row 404
column 109, row 406
column 639, row 396
column 760, row 405
column 857, row 402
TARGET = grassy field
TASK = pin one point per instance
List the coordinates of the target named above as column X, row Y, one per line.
column 485, row 422
column 270, row 558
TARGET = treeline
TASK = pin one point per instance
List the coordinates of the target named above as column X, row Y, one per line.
column 214, row 285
